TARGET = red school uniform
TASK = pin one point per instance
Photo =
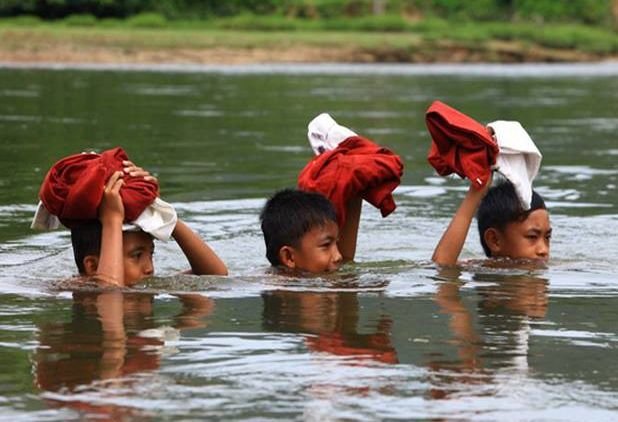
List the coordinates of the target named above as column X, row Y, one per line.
column 459, row 144
column 73, row 188
column 357, row 167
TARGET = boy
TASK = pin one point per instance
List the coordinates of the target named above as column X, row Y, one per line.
column 506, row 230
column 94, row 195
column 314, row 229
column 301, row 232
column 104, row 251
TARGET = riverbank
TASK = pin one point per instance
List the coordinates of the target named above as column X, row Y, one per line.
column 62, row 44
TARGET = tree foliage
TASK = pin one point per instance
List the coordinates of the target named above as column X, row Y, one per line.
column 584, row 11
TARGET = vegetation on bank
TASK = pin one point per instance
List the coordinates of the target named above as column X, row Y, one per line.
column 591, row 12
column 368, row 30
column 353, row 32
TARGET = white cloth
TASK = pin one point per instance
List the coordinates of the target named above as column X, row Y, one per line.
column 159, row 219
column 325, row 133
column 519, row 159
column 43, row 219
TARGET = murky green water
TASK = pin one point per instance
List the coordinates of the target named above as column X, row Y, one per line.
column 392, row 338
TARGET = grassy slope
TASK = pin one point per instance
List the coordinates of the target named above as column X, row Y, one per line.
column 438, row 42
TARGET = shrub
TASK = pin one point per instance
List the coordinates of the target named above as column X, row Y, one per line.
column 367, row 23
column 147, row 20
column 80, row 20
column 586, row 11
column 111, row 22
column 430, row 25
column 458, row 9
column 258, row 23
column 25, row 20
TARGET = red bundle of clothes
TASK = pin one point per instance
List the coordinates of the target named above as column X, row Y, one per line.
column 73, row 188
column 460, row 144
column 356, row 168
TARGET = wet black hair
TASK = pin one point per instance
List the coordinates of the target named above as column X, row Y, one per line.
column 288, row 215
column 86, row 240
column 500, row 207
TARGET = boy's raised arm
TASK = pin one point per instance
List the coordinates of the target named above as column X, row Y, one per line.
column 110, row 267
column 349, row 231
column 451, row 243
column 201, row 257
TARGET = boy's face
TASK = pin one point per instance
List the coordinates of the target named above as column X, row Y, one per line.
column 317, row 251
column 528, row 239
column 137, row 251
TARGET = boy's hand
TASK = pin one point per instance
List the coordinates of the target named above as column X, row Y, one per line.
column 112, row 208
column 134, row 171
column 482, row 191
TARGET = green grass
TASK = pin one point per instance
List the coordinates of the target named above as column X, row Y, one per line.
column 152, row 31
column 206, row 38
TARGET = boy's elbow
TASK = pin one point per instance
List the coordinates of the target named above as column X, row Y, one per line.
column 208, row 269
column 440, row 259
column 218, row 269
column 221, row 271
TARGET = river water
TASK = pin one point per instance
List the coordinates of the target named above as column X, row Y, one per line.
column 392, row 336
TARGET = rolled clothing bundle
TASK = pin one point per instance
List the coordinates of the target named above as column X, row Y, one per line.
column 73, row 188
column 460, row 144
column 357, row 167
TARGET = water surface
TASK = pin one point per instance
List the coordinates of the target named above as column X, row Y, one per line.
column 392, row 337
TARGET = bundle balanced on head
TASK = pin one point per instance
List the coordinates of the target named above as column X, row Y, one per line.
column 114, row 212
column 314, row 228
column 513, row 221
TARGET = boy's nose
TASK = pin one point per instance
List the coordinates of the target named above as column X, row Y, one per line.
column 337, row 258
column 148, row 268
column 542, row 250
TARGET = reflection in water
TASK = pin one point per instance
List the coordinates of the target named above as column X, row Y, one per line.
column 505, row 306
column 329, row 322
column 524, row 295
column 111, row 335
column 474, row 330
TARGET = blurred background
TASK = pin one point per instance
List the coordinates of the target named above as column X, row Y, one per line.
column 324, row 30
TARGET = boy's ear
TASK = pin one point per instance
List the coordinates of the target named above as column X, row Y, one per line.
column 493, row 240
column 91, row 263
column 286, row 257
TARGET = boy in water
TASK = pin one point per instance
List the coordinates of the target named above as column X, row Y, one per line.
column 506, row 230
column 301, row 232
column 95, row 195
column 512, row 218
column 314, row 229
column 104, row 251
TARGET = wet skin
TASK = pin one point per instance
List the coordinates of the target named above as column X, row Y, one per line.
column 318, row 251
column 137, row 252
column 527, row 239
